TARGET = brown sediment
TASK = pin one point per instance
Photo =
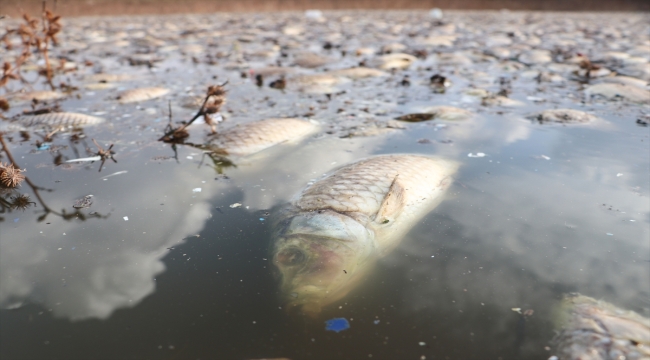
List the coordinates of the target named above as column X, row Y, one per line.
column 15, row 8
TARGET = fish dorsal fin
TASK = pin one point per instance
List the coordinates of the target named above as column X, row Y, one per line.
column 392, row 204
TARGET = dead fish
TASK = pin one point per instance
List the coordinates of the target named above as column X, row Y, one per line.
column 619, row 91
column 107, row 78
column 536, row 57
column 349, row 219
column 626, row 80
column 247, row 139
column 416, row 117
column 563, row 116
column 58, row 120
column 595, row 329
column 449, row 113
column 141, row 94
column 358, row 73
column 310, row 60
column 399, row 61
column 39, row 96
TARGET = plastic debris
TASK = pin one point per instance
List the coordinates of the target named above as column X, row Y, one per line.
column 610, row 234
column 546, row 157
column 45, row 146
column 477, row 155
column 235, row 205
column 337, row 324
column 92, row 158
column 126, row 218
column 422, row 343
column 619, row 174
column 196, row 190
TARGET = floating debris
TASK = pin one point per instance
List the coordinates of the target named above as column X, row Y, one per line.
column 477, row 155
column 92, row 158
column 337, row 324
column 235, row 205
column 84, row 202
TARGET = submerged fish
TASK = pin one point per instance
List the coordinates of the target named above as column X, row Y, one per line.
column 594, row 329
column 328, row 238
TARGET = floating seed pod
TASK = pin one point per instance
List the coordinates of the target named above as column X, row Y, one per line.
column 10, row 177
column 141, row 94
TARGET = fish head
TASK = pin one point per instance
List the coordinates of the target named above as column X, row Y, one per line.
column 319, row 257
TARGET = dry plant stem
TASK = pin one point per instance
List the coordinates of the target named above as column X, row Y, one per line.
column 201, row 111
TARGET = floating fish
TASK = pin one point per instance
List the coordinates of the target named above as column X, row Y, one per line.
column 595, row 329
column 619, row 91
column 398, row 61
column 563, row 116
column 39, row 96
column 358, row 73
column 328, row 238
column 141, row 94
column 58, row 120
column 247, row 139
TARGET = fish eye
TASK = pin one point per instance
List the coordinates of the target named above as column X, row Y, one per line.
column 291, row 257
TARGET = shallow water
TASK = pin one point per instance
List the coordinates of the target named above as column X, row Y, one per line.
column 157, row 268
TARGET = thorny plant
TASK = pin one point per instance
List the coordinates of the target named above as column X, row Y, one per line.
column 214, row 98
column 10, row 199
column 32, row 39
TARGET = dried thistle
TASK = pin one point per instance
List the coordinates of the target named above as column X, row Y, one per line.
column 10, row 176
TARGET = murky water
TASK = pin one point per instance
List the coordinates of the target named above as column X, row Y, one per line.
column 165, row 264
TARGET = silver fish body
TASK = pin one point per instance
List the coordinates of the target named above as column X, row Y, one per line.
column 250, row 138
column 595, row 329
column 331, row 234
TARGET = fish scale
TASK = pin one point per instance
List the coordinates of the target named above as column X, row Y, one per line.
column 60, row 119
column 253, row 137
column 361, row 187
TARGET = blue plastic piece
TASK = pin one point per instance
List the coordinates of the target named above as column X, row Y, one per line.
column 337, row 324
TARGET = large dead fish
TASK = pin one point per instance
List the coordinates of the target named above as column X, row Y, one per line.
column 327, row 239
column 595, row 330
